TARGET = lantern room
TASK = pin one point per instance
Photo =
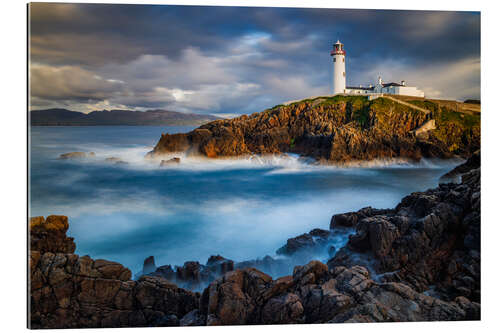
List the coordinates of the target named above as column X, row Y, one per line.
column 338, row 48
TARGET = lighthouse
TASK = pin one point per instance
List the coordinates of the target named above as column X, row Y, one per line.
column 338, row 54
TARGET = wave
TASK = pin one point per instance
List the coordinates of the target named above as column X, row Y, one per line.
column 287, row 163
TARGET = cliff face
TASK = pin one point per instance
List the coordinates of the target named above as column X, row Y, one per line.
column 333, row 129
column 417, row 262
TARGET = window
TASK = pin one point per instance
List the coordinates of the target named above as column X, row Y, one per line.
column 334, row 59
column 343, row 59
column 343, row 74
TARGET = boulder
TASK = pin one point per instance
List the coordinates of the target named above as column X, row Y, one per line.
column 76, row 155
column 283, row 309
column 172, row 161
column 311, row 241
column 49, row 235
column 115, row 160
column 234, row 299
column 193, row 318
column 149, row 265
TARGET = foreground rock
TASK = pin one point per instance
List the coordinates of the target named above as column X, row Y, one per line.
column 431, row 240
column 192, row 275
column 49, row 235
column 454, row 175
column 338, row 129
column 76, row 155
column 69, row 291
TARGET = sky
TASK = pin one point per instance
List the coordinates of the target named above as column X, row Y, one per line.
column 228, row 61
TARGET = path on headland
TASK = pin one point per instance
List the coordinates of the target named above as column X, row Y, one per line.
column 408, row 104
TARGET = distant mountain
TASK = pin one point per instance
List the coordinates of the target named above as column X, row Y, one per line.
column 63, row 117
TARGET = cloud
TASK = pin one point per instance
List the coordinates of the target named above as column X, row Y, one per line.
column 71, row 83
column 233, row 60
column 455, row 80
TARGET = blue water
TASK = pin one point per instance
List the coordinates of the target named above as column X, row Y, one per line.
column 240, row 209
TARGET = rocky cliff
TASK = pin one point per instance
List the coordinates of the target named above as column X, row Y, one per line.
column 334, row 129
column 69, row 291
column 417, row 262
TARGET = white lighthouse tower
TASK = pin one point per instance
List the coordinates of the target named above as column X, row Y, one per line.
column 338, row 55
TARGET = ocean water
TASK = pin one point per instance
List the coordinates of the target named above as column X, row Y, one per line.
column 241, row 209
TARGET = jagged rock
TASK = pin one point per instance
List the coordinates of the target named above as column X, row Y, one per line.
column 350, row 219
column 430, row 238
column 283, row 309
column 309, row 241
column 175, row 160
column 49, row 235
column 219, row 265
column 193, row 318
column 234, row 299
column 472, row 163
column 149, row 265
column 68, row 291
column 168, row 320
column 268, row 265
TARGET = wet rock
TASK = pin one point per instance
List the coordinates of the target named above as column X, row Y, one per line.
column 76, row 155
column 115, row 160
column 431, row 238
column 219, row 265
column 234, row 298
column 149, row 265
column 172, row 161
column 344, row 220
column 472, row 163
column 283, row 309
column 166, row 321
column 80, row 292
column 193, row 318
column 314, row 239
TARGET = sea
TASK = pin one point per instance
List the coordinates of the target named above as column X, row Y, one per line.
column 241, row 209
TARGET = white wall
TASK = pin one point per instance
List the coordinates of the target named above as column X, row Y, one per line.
column 409, row 91
column 339, row 74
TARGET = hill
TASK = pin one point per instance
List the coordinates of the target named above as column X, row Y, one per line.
column 337, row 129
column 63, row 117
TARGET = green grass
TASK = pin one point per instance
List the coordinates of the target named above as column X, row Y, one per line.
column 433, row 107
column 466, row 120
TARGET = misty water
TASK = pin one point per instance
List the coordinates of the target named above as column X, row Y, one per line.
column 240, row 209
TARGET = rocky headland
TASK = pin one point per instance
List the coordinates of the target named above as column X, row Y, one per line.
column 339, row 129
column 419, row 261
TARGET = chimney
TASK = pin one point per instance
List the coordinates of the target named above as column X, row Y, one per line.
column 403, row 83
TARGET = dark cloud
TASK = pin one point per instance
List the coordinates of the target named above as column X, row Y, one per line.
column 237, row 60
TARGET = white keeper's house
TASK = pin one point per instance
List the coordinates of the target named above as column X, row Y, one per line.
column 339, row 80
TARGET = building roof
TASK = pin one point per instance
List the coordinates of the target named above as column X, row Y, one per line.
column 360, row 88
column 392, row 84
